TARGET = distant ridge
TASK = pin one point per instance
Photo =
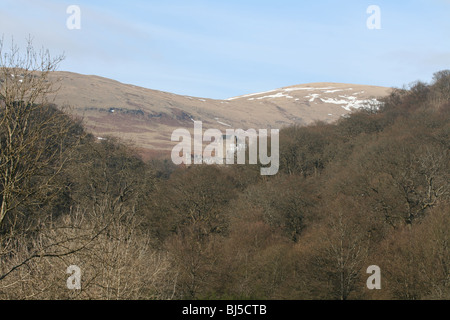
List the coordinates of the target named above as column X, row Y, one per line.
column 147, row 117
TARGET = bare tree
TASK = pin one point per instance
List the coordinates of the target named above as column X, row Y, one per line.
column 36, row 141
column 441, row 85
column 343, row 249
column 105, row 242
column 34, row 136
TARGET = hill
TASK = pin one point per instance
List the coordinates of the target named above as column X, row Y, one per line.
column 148, row 117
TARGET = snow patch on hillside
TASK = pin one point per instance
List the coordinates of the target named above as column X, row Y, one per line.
column 350, row 102
column 347, row 102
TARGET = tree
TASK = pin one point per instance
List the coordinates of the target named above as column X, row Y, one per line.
column 341, row 244
column 35, row 137
column 192, row 198
column 441, row 88
column 416, row 260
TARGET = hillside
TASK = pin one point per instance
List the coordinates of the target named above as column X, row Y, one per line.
column 148, row 117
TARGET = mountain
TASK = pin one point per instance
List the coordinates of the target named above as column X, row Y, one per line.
column 148, row 117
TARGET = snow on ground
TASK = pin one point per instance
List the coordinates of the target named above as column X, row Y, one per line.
column 306, row 88
column 313, row 97
column 251, row 95
column 277, row 95
column 223, row 123
column 280, row 92
column 347, row 102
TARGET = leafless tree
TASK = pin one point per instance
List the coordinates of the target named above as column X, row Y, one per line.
column 34, row 137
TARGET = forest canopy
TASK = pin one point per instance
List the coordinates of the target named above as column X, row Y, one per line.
column 371, row 189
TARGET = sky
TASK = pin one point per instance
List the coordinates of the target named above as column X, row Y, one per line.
column 221, row 49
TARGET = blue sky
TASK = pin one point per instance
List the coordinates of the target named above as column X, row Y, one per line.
column 221, row 49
